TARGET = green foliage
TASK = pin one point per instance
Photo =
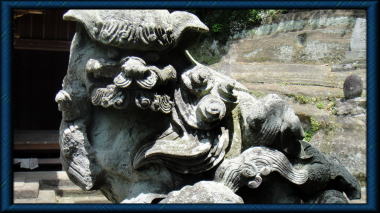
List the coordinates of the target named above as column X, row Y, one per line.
column 225, row 22
column 314, row 127
column 308, row 136
column 253, row 16
column 331, row 106
column 256, row 93
column 304, row 99
column 326, row 103
column 216, row 28
column 320, row 105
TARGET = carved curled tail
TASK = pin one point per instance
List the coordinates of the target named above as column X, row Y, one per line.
column 277, row 161
column 247, row 168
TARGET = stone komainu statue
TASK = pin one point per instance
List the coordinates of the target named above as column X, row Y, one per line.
column 144, row 122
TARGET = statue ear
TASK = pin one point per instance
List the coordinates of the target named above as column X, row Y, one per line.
column 87, row 18
column 183, row 21
column 76, row 15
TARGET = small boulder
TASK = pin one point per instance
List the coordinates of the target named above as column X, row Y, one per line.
column 352, row 86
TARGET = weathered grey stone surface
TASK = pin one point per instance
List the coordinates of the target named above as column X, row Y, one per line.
column 26, row 190
column 203, row 192
column 289, row 79
column 54, row 187
column 349, row 66
column 346, row 141
column 355, row 57
column 351, row 107
column 358, row 43
column 300, row 36
column 146, row 198
column 352, row 86
column 248, row 168
column 142, row 118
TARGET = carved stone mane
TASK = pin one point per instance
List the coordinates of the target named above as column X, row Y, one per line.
column 136, row 29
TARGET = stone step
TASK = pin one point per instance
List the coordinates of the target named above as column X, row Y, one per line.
column 49, row 186
column 53, row 184
column 76, row 191
column 42, row 175
column 85, row 199
column 66, row 188
column 44, row 196
column 47, row 196
column 23, row 190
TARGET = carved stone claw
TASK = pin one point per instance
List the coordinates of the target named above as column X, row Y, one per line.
column 73, row 127
column 256, row 182
column 64, row 100
column 62, row 95
column 265, row 171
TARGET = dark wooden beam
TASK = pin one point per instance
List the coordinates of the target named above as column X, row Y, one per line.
column 35, row 146
column 17, row 13
column 36, row 140
column 45, row 45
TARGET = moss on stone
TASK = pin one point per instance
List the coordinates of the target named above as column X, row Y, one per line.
column 236, row 142
column 257, row 93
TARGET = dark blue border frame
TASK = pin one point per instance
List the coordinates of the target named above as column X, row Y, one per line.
column 6, row 129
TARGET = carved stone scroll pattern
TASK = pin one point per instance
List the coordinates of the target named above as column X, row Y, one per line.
column 190, row 153
column 247, row 168
column 133, row 29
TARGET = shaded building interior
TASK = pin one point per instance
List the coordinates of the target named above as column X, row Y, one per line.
column 40, row 54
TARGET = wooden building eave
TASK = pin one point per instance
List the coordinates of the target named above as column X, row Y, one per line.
column 45, row 45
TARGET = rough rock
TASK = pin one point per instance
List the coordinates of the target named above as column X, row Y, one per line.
column 145, row 198
column 353, row 86
column 319, row 36
column 203, row 192
column 346, row 142
column 348, row 66
column 24, row 190
column 351, row 107
column 358, row 43
column 289, row 79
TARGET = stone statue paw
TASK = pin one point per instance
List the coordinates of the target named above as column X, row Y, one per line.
column 255, row 182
